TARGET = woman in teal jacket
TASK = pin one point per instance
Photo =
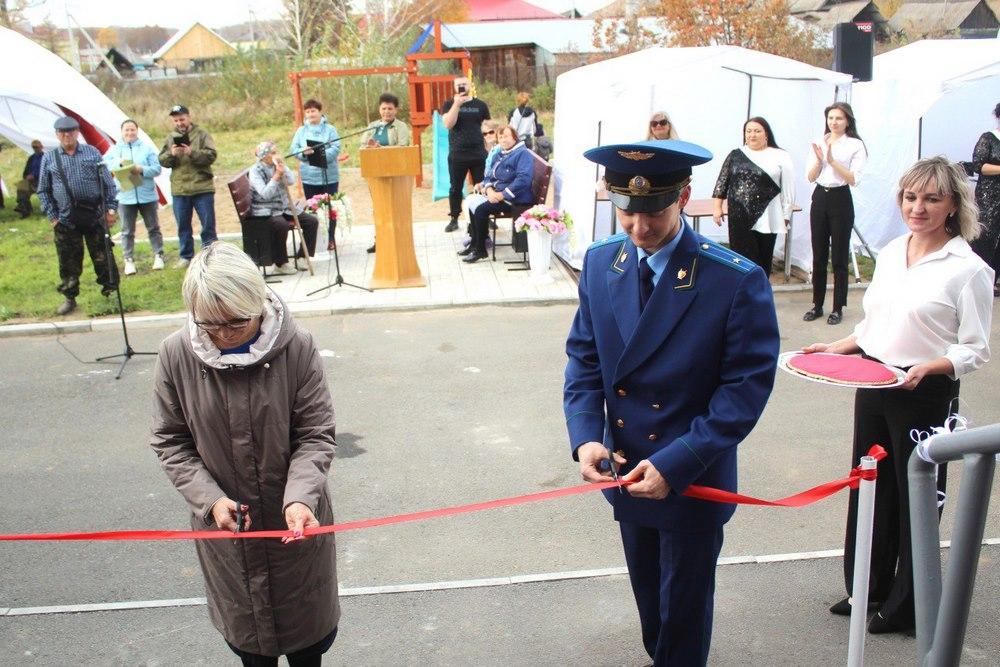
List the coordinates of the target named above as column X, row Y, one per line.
column 142, row 198
column 316, row 128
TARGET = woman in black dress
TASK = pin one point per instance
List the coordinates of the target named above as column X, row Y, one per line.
column 986, row 163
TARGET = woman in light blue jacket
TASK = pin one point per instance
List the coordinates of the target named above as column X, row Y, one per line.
column 316, row 129
column 142, row 198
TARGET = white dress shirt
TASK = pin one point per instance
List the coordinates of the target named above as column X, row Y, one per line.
column 777, row 164
column 941, row 306
column 848, row 151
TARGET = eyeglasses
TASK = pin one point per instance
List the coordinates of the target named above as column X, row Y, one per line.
column 231, row 325
column 486, row 134
column 659, row 123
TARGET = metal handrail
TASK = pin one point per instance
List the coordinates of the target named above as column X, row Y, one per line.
column 942, row 611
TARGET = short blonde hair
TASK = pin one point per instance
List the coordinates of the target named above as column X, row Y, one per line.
column 523, row 98
column 223, row 283
column 655, row 116
column 950, row 181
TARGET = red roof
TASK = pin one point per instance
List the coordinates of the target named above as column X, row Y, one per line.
column 506, row 10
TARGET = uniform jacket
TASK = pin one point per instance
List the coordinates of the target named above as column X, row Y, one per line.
column 322, row 131
column 682, row 382
column 258, row 428
column 511, row 173
column 141, row 153
column 191, row 174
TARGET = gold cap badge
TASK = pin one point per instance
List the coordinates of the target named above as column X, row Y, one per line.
column 639, row 185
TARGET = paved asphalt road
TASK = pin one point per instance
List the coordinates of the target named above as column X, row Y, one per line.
column 434, row 408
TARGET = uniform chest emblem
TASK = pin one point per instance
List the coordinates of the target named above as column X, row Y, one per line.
column 682, row 274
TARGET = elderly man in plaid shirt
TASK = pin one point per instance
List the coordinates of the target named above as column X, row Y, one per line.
column 70, row 182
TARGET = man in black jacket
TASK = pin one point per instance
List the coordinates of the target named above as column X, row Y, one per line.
column 463, row 116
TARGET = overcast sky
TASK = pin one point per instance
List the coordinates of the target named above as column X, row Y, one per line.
column 213, row 13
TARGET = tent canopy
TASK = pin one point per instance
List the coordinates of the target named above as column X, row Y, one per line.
column 709, row 92
column 32, row 96
column 932, row 97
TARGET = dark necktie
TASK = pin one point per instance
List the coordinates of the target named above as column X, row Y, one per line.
column 645, row 282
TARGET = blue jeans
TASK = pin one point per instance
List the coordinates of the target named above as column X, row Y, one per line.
column 184, row 205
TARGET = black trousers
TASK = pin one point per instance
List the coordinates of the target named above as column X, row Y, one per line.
column 480, row 229
column 885, row 417
column 831, row 219
column 310, row 656
column 755, row 246
column 673, row 580
column 266, row 238
column 458, row 167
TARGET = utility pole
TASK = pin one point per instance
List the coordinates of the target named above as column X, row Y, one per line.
column 74, row 48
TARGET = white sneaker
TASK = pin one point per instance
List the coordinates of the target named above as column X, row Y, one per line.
column 286, row 270
column 158, row 263
column 129, row 267
column 182, row 263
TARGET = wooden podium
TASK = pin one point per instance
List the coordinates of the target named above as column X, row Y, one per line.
column 389, row 171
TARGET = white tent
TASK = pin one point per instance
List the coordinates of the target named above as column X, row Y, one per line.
column 709, row 92
column 933, row 97
column 36, row 87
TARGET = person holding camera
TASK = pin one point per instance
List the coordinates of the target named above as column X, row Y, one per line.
column 189, row 153
column 78, row 197
column 463, row 116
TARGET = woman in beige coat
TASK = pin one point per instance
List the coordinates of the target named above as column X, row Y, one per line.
column 242, row 414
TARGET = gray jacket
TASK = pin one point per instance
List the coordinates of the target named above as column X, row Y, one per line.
column 267, row 196
column 259, row 428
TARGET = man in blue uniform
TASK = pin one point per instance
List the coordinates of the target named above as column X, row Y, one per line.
column 672, row 356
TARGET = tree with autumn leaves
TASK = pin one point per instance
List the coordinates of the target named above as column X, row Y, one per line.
column 762, row 25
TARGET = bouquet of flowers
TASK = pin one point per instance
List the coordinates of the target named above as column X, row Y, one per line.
column 338, row 207
column 541, row 218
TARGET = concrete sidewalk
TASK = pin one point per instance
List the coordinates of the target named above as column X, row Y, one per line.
column 450, row 282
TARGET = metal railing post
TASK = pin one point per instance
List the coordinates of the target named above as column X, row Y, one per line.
column 966, row 543
column 942, row 612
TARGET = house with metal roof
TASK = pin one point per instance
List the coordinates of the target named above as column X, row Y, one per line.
column 968, row 18
column 523, row 54
column 825, row 14
column 193, row 48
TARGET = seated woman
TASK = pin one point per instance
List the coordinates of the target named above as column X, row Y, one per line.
column 269, row 181
column 477, row 196
column 507, row 181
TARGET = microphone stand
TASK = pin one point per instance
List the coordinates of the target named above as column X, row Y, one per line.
column 128, row 352
column 339, row 280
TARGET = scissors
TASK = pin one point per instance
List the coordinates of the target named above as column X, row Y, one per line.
column 609, row 464
column 240, row 516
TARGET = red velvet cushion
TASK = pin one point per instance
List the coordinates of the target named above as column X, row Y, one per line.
column 844, row 368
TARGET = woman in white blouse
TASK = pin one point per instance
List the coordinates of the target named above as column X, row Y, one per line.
column 758, row 183
column 928, row 310
column 835, row 164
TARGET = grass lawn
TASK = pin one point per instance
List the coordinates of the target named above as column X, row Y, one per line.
column 30, row 274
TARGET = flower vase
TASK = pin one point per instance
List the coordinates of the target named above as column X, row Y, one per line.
column 539, row 255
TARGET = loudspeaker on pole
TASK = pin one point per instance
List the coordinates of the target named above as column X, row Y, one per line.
column 853, row 49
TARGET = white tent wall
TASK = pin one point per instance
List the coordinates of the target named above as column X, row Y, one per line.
column 706, row 91
column 952, row 85
column 31, row 96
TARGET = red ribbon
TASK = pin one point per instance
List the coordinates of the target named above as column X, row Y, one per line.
column 700, row 492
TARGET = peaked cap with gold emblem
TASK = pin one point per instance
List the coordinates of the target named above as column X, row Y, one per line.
column 647, row 176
